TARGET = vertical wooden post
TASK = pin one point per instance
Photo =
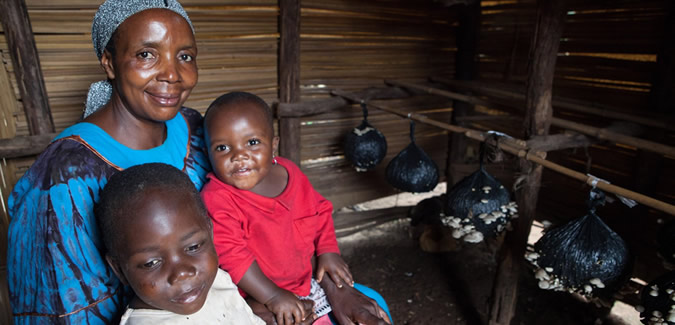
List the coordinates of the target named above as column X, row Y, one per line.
column 19, row 34
column 543, row 55
column 289, row 76
column 465, row 69
column 648, row 165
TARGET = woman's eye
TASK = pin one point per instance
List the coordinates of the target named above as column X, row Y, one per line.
column 253, row 142
column 194, row 247
column 186, row 57
column 151, row 264
column 146, row 55
column 221, row 147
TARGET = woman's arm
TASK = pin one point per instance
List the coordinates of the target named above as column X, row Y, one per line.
column 351, row 306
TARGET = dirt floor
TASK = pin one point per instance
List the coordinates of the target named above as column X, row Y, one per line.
column 454, row 287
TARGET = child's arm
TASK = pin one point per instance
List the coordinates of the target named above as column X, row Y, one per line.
column 336, row 267
column 351, row 306
column 287, row 308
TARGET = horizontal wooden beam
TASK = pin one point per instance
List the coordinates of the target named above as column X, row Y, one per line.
column 560, row 102
column 518, row 147
column 600, row 133
column 25, row 145
column 320, row 106
column 558, row 142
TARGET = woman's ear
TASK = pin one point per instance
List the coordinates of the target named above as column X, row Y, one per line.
column 115, row 266
column 107, row 64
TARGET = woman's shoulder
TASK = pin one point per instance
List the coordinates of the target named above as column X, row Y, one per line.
column 67, row 158
column 192, row 116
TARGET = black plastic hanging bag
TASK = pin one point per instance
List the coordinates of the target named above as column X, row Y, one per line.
column 365, row 146
column 412, row 170
column 478, row 206
column 583, row 256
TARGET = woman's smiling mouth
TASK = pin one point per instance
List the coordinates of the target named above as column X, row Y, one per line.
column 165, row 99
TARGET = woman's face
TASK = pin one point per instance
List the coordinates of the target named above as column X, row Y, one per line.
column 154, row 67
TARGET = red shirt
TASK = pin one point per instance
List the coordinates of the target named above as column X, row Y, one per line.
column 281, row 234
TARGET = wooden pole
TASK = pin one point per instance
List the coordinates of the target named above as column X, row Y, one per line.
column 289, row 76
column 600, row 133
column 520, row 149
column 560, row 102
column 538, row 114
column 465, row 69
column 21, row 44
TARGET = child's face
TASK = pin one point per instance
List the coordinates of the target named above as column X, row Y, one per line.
column 241, row 145
column 166, row 252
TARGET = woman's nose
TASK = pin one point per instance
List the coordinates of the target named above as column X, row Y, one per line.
column 182, row 271
column 169, row 71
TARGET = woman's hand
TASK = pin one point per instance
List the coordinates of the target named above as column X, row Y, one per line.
column 261, row 311
column 337, row 269
column 288, row 309
column 352, row 307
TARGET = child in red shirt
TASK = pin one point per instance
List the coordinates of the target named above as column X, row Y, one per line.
column 271, row 228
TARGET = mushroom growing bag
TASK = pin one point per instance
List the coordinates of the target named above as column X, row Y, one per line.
column 583, row 256
column 478, row 206
column 365, row 146
column 412, row 170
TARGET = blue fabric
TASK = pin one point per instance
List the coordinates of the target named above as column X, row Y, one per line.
column 372, row 294
column 56, row 270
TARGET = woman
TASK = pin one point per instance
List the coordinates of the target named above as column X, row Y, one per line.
column 56, row 270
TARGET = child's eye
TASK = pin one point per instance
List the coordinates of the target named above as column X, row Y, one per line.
column 186, row 57
column 221, row 147
column 194, row 247
column 151, row 264
column 253, row 142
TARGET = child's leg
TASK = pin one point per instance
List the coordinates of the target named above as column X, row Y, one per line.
column 372, row 294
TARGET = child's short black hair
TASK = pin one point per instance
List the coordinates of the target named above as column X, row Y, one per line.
column 237, row 97
column 127, row 186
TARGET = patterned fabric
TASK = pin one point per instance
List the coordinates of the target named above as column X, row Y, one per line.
column 318, row 295
column 56, row 270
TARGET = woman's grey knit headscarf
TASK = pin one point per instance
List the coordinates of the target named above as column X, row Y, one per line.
column 108, row 17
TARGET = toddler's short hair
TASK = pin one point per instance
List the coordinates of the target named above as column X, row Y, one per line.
column 237, row 97
column 127, row 186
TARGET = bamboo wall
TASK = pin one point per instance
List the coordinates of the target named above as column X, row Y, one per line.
column 351, row 45
column 345, row 45
column 607, row 56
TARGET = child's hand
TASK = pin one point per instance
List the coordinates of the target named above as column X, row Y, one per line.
column 336, row 268
column 288, row 309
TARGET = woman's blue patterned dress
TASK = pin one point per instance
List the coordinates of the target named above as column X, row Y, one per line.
column 56, row 267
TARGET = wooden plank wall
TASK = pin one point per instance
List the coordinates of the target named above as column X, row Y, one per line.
column 607, row 56
column 351, row 45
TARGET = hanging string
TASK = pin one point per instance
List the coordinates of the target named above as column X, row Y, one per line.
column 412, row 130
column 365, row 111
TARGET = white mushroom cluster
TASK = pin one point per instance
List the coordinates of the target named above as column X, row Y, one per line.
column 660, row 317
column 548, row 280
column 465, row 228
